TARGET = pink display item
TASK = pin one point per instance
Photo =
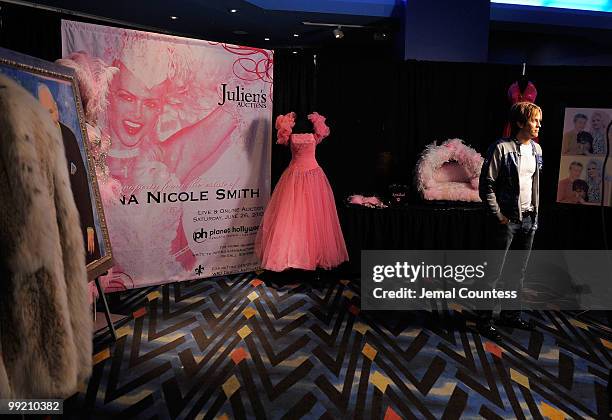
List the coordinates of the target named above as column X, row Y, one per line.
column 300, row 227
column 515, row 95
column 528, row 95
column 94, row 77
column 372, row 202
column 449, row 171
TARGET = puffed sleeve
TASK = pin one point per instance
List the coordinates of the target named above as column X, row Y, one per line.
column 284, row 126
column 321, row 130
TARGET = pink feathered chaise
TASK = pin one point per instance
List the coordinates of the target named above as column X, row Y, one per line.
column 449, row 171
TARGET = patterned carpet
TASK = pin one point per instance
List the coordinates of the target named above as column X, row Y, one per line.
column 240, row 347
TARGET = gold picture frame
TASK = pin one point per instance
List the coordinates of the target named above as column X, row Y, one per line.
column 56, row 85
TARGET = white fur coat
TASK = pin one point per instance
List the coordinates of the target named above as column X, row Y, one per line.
column 45, row 322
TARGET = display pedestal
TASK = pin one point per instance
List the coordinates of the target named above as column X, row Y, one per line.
column 462, row 226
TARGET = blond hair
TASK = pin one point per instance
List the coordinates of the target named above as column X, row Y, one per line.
column 521, row 112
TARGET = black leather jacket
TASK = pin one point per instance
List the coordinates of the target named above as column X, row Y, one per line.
column 499, row 179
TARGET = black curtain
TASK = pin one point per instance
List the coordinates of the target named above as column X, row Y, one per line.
column 350, row 92
column 296, row 73
column 31, row 31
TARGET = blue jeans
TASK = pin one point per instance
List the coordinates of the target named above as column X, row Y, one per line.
column 508, row 271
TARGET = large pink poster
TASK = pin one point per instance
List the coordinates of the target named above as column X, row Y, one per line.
column 189, row 123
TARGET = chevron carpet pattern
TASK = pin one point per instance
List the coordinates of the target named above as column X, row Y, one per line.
column 240, row 347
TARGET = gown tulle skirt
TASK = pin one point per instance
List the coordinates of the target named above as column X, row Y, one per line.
column 300, row 227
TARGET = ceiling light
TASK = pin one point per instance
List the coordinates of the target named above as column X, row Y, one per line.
column 233, row 10
column 173, row 17
column 294, row 52
column 266, row 39
column 380, row 36
column 296, row 35
column 344, row 25
column 338, row 33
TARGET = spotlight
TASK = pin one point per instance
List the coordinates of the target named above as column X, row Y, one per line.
column 380, row 36
column 233, row 10
column 266, row 39
column 173, row 17
column 338, row 33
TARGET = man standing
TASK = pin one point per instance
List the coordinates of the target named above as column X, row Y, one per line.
column 510, row 187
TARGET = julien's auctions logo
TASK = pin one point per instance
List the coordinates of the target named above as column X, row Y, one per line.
column 244, row 98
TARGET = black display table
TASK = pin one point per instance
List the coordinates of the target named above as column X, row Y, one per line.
column 455, row 226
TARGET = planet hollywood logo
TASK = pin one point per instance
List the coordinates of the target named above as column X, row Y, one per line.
column 244, row 98
column 200, row 236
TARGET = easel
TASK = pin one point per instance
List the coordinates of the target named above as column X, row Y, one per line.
column 107, row 314
column 94, row 275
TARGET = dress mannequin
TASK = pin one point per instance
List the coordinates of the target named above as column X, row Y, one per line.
column 300, row 227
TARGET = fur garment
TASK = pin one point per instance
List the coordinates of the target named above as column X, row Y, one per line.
column 45, row 322
column 449, row 171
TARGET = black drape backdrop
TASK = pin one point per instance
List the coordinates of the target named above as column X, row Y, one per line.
column 375, row 104
column 31, row 31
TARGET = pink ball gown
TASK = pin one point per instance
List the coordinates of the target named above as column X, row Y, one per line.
column 300, row 227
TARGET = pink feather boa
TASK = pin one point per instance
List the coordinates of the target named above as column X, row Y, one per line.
column 94, row 77
column 432, row 184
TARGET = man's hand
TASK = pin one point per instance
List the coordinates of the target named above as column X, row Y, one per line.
column 504, row 220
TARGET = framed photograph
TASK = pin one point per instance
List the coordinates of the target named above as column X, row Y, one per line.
column 585, row 175
column 56, row 89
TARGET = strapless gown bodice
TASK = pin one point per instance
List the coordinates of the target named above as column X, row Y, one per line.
column 303, row 148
